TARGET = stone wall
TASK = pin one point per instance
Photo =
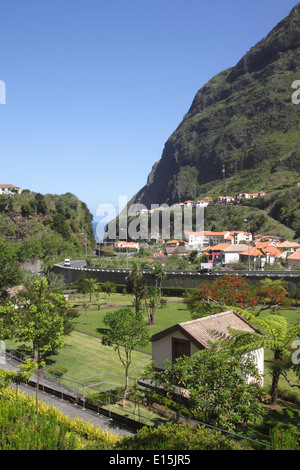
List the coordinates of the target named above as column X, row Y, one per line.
column 179, row 279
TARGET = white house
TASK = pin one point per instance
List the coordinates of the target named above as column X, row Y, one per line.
column 251, row 195
column 240, row 236
column 189, row 203
column 123, row 246
column 261, row 255
column 231, row 253
column 202, row 203
column 199, row 240
column 185, row 339
column 9, row 189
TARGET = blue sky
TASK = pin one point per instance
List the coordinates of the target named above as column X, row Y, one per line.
column 94, row 88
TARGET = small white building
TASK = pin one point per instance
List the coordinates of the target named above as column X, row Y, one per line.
column 9, row 189
column 240, row 236
column 202, row 203
column 231, row 253
column 185, row 339
column 126, row 246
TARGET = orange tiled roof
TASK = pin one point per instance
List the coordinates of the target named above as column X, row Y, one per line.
column 254, row 251
column 218, row 247
column 295, row 256
column 288, row 244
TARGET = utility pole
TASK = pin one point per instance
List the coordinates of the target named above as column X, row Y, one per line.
column 248, row 222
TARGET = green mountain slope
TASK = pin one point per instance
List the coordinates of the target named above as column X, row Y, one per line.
column 243, row 118
column 48, row 227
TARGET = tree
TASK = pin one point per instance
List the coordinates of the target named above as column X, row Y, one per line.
column 10, row 272
column 126, row 331
column 272, row 294
column 137, row 285
column 41, row 318
column 278, row 338
column 211, row 386
column 23, row 373
column 151, row 303
column 193, row 256
column 109, row 288
column 227, row 290
column 41, row 205
column 154, row 293
column 234, row 291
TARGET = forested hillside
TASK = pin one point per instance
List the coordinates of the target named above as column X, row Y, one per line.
column 46, row 227
column 245, row 119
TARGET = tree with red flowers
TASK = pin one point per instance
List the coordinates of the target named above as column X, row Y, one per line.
column 234, row 291
column 227, row 290
column 272, row 294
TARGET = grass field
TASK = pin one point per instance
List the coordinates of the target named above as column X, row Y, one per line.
column 86, row 356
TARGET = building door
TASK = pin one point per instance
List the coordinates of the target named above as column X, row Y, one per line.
column 180, row 347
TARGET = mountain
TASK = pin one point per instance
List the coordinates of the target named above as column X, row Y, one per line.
column 243, row 118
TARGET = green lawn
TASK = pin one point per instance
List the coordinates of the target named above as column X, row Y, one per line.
column 84, row 356
column 91, row 321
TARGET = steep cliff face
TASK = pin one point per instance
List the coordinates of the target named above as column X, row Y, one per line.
column 242, row 118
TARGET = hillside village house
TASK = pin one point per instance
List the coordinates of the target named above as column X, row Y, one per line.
column 294, row 259
column 226, row 199
column 123, row 246
column 261, row 256
column 9, row 189
column 264, row 238
column 202, row 203
column 262, row 253
column 214, row 253
column 179, row 247
column 288, row 247
column 200, row 240
column 231, row 253
column 185, row 339
column 251, row 195
column 189, row 203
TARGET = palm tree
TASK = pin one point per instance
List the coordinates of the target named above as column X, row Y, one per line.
column 154, row 293
column 277, row 337
column 137, row 285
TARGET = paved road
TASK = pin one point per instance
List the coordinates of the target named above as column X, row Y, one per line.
column 75, row 411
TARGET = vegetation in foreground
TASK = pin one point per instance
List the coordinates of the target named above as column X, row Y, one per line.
column 33, row 309
column 20, row 430
column 54, row 431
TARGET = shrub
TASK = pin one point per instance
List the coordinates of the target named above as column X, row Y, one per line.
column 19, row 429
column 177, row 437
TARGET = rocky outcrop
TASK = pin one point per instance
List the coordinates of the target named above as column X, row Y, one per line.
column 242, row 118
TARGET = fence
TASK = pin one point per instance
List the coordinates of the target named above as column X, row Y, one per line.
column 79, row 393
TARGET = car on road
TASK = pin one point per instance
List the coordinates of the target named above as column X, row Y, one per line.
column 204, row 270
column 67, row 262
